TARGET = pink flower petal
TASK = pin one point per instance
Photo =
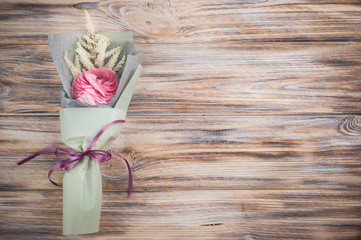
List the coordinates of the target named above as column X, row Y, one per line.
column 96, row 86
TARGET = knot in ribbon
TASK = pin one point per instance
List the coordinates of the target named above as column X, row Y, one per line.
column 76, row 157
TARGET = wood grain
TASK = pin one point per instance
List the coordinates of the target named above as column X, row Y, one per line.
column 205, row 79
column 201, row 153
column 209, row 214
column 186, row 21
column 245, row 123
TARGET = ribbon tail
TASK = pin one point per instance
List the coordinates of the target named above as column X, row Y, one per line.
column 36, row 154
column 51, row 171
column 130, row 184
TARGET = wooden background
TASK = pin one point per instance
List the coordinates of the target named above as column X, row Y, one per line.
column 245, row 123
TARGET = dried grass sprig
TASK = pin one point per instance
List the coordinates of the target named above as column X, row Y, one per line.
column 74, row 69
column 91, row 52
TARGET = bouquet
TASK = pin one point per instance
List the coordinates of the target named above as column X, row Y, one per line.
column 99, row 72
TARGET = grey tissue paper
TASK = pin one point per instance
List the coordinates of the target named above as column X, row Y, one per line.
column 58, row 43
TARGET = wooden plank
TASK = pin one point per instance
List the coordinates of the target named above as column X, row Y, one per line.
column 206, row 79
column 209, row 214
column 186, row 21
column 201, row 153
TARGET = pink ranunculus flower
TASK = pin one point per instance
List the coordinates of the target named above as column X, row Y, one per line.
column 96, row 86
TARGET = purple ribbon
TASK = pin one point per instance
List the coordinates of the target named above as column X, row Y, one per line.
column 76, row 157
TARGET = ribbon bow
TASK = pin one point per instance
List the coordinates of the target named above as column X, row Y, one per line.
column 77, row 157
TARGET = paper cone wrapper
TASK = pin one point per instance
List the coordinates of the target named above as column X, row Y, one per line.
column 82, row 186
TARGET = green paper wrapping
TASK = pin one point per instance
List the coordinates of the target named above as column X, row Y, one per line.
column 80, row 122
column 82, row 186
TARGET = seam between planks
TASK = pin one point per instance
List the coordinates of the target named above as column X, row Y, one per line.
column 215, row 43
column 194, row 189
column 55, row 115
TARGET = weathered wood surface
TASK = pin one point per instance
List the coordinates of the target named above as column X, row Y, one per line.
column 198, row 152
column 206, row 79
column 205, row 214
column 187, row 21
column 245, row 123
